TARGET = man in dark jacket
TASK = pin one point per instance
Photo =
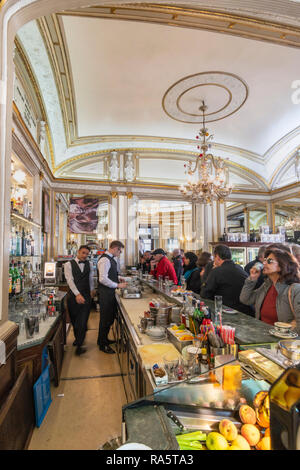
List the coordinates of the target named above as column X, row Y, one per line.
column 226, row 279
column 178, row 264
column 258, row 259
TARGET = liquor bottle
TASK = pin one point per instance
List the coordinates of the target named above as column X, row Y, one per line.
column 18, row 244
column 29, row 216
column 17, row 280
column 28, row 244
column 21, row 274
column 10, row 281
column 204, row 361
column 225, row 237
column 25, row 207
column 13, row 241
column 20, row 206
column 23, row 243
column 31, row 244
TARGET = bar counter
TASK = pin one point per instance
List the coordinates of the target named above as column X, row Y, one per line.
column 138, row 381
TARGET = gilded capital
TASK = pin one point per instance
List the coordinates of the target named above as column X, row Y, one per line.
column 114, row 194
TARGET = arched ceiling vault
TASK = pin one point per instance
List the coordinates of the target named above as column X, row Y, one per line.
column 102, row 72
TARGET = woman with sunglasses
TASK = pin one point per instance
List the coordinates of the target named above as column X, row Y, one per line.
column 278, row 298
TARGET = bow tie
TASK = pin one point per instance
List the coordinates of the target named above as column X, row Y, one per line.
column 81, row 262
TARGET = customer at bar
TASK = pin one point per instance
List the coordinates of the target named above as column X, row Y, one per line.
column 226, row 279
column 204, row 260
column 191, row 272
column 108, row 282
column 79, row 277
column 177, row 263
column 259, row 259
column 278, row 298
column 161, row 266
column 145, row 263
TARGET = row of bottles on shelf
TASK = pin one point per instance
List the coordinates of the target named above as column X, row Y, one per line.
column 22, row 276
column 21, row 242
column 21, row 206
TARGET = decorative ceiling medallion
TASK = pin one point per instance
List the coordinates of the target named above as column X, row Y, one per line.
column 225, row 92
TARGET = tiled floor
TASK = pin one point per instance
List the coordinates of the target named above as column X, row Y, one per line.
column 89, row 412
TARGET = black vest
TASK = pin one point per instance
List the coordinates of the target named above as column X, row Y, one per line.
column 112, row 273
column 81, row 279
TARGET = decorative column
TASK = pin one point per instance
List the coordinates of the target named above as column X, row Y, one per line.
column 122, row 226
column 132, row 229
column 270, row 215
column 209, row 221
column 246, row 220
column 113, row 217
column 51, row 235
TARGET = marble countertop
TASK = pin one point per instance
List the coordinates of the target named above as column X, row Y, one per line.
column 38, row 338
column 248, row 331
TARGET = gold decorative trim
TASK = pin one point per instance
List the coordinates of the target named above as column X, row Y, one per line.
column 282, row 164
column 230, row 21
column 205, row 73
column 114, row 195
column 39, row 97
column 204, row 84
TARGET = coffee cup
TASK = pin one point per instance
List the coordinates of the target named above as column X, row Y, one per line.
column 282, row 327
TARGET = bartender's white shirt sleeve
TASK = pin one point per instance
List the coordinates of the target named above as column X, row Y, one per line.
column 70, row 279
column 91, row 276
column 103, row 268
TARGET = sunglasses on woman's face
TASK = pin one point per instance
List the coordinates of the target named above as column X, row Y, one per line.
column 270, row 260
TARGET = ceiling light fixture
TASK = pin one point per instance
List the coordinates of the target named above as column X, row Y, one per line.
column 209, row 180
column 19, row 176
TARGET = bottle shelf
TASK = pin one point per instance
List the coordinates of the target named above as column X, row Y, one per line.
column 25, row 256
column 24, row 219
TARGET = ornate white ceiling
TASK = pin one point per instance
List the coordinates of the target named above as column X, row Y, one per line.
column 119, row 72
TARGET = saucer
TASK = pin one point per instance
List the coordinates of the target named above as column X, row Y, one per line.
column 291, row 334
column 231, row 311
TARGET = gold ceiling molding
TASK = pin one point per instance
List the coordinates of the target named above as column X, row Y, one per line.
column 216, row 21
column 34, row 82
column 87, row 156
column 282, row 164
column 171, row 99
column 52, row 31
column 99, row 153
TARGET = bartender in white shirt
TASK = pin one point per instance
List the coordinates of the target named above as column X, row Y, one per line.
column 108, row 282
column 79, row 276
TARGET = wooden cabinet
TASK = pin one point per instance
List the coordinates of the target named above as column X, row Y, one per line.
column 17, row 415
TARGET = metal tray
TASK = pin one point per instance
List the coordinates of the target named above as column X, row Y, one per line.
column 179, row 345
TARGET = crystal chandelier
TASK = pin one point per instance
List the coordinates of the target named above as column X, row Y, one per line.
column 208, row 180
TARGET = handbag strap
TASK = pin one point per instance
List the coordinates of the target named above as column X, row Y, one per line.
column 290, row 300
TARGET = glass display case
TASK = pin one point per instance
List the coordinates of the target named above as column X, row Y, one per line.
column 239, row 256
column 197, row 403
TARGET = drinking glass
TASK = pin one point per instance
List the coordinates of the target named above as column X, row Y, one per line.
column 29, row 326
column 171, row 365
